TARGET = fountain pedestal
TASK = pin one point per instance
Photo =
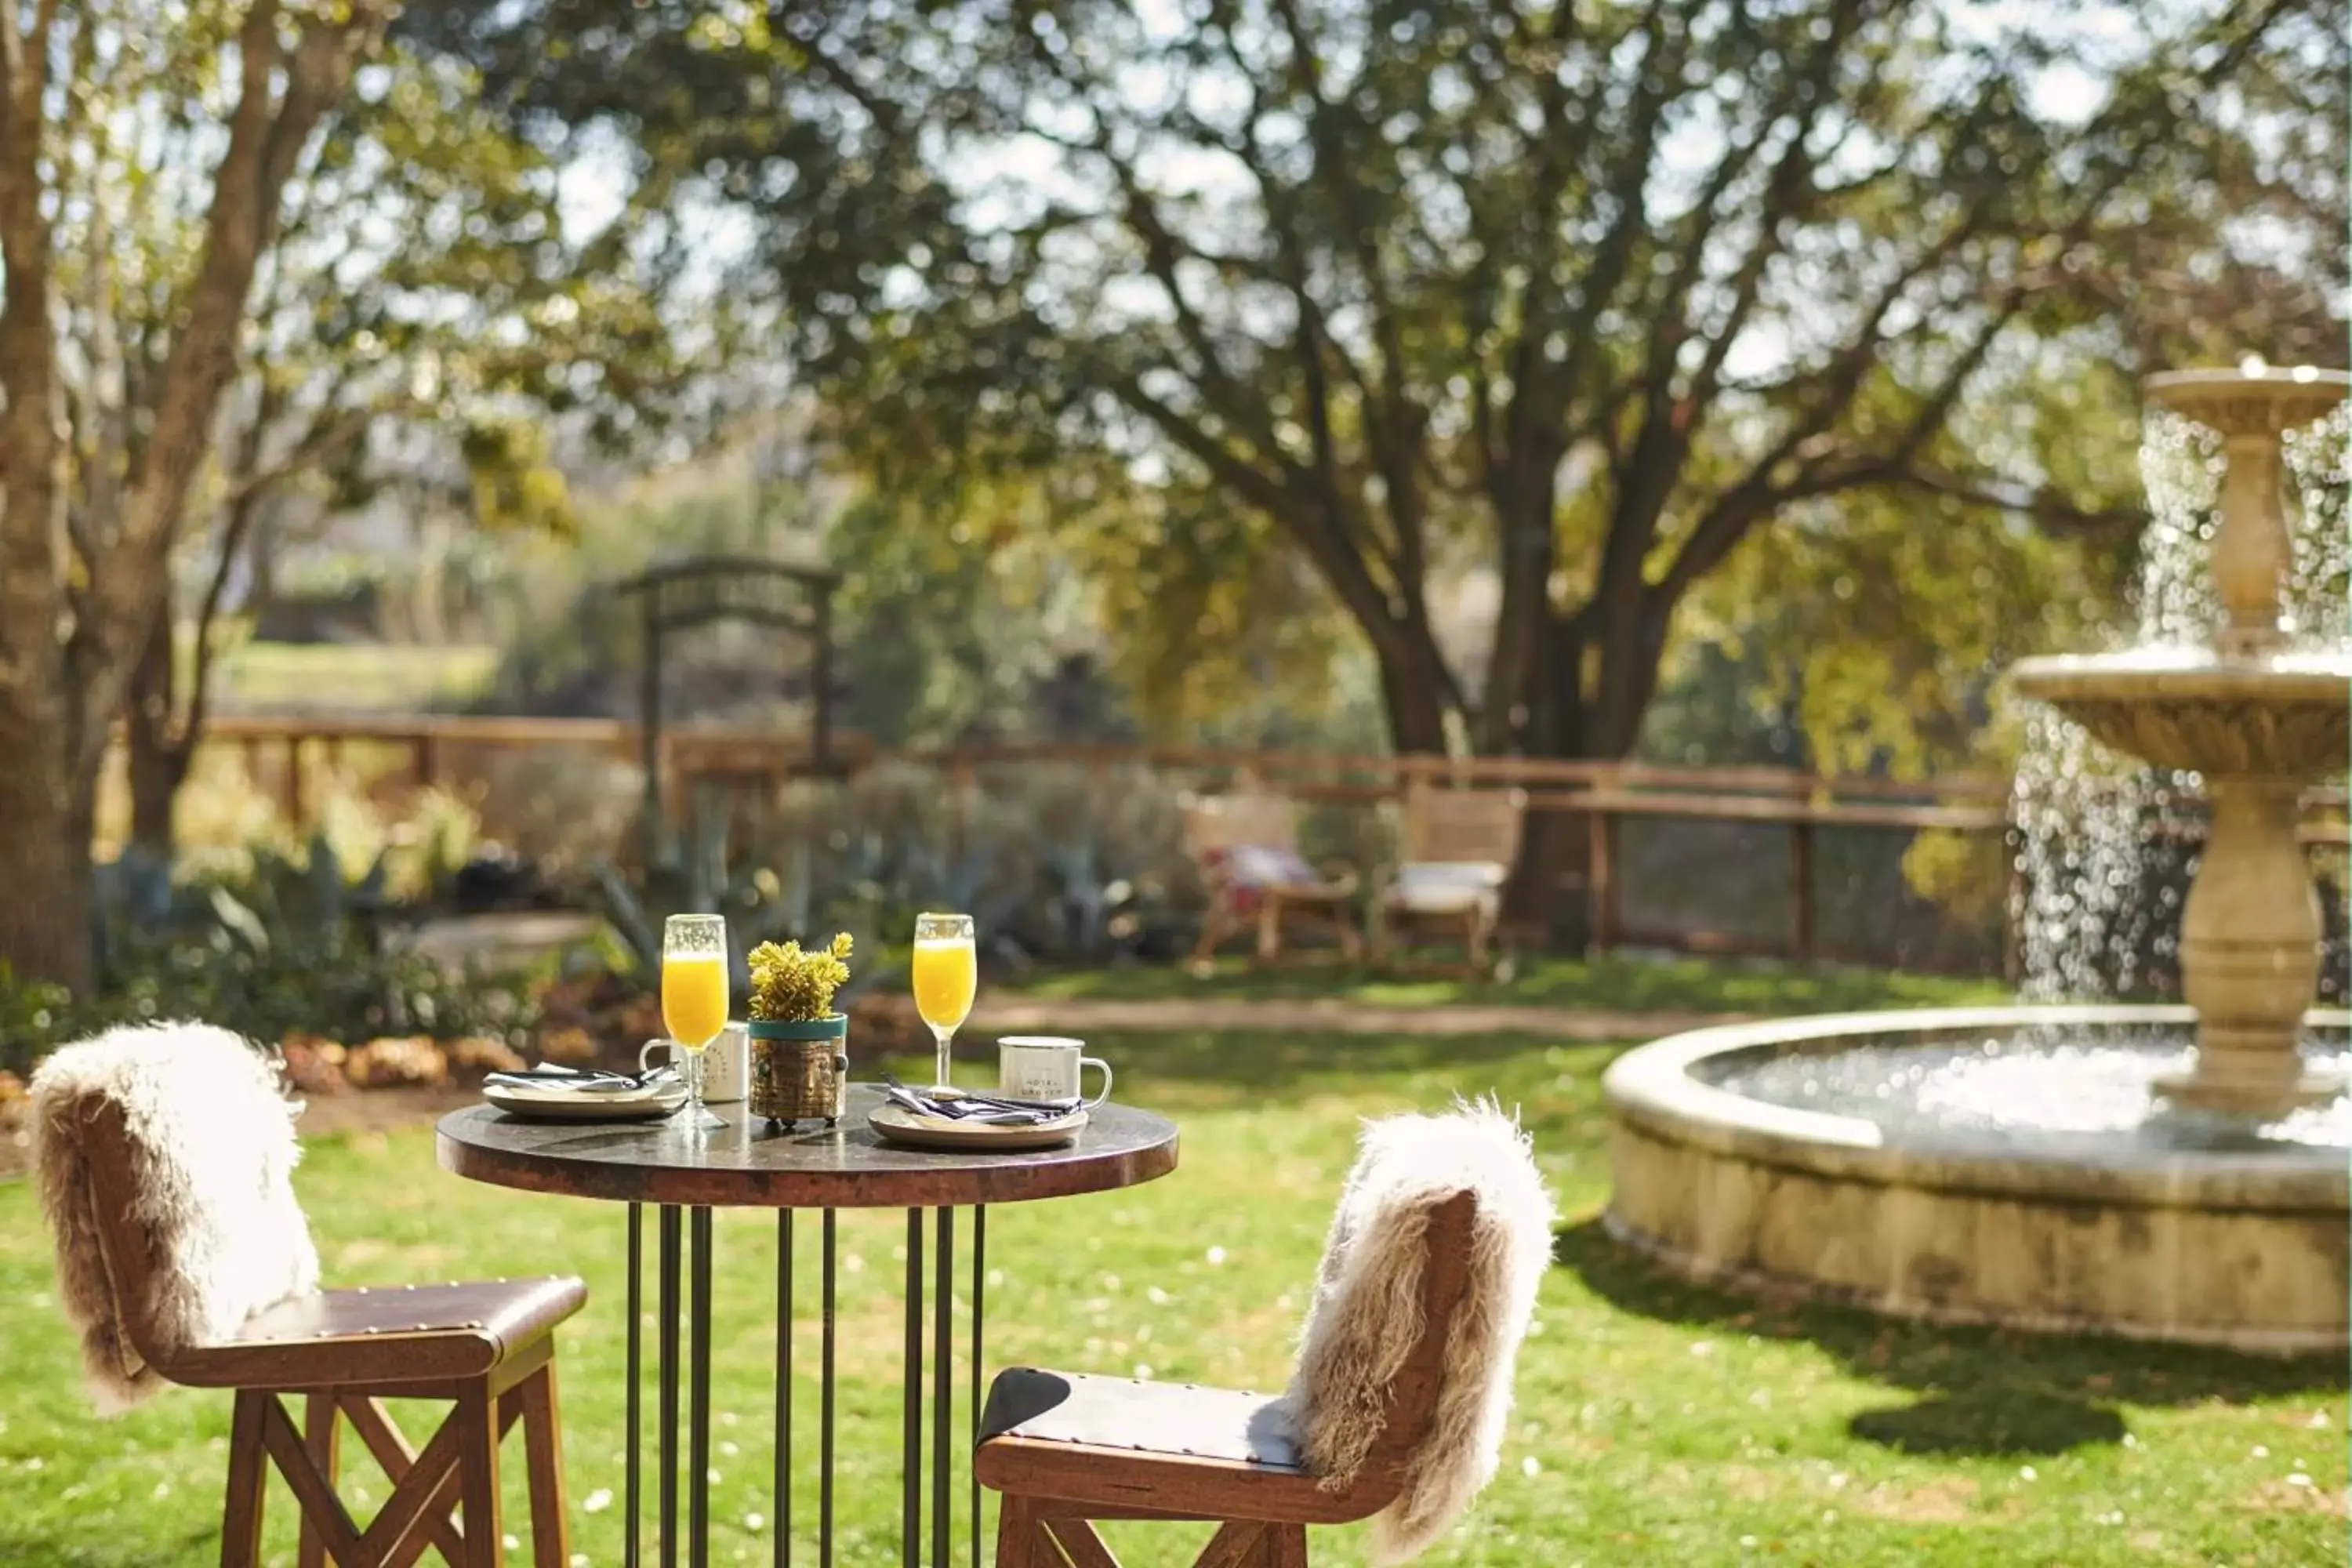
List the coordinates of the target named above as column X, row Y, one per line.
column 2250, row 957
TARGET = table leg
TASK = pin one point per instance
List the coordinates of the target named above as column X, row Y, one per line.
column 824, row 1433
column 635, row 1425
column 669, row 1393
column 911, row 1486
column 942, row 1388
column 698, row 1398
column 781, row 1503
column 683, row 1307
column 978, row 1296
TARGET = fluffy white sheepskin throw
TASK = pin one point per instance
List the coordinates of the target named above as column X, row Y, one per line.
column 1367, row 1312
column 212, row 1150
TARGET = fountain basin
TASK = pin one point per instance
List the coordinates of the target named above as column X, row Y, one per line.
column 2281, row 715
column 2059, row 1211
column 2261, row 401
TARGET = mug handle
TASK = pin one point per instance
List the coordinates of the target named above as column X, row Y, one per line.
column 649, row 1048
column 1086, row 1062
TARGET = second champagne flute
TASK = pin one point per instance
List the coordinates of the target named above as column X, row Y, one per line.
column 694, row 997
column 947, row 973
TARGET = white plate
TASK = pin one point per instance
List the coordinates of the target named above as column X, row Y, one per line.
column 899, row 1125
column 575, row 1105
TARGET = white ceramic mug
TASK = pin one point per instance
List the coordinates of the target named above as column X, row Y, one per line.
column 1045, row 1066
column 726, row 1064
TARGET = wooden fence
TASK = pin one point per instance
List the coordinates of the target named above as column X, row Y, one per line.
column 1609, row 799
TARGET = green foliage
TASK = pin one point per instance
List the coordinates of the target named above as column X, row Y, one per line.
column 571, row 647
column 1079, row 604
column 1880, row 626
column 1052, row 862
column 697, row 872
column 793, row 986
column 287, row 946
column 1392, row 293
column 961, row 616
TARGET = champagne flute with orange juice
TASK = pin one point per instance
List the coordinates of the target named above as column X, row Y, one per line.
column 693, row 996
column 947, row 973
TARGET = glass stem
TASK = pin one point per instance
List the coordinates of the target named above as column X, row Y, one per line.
column 943, row 1037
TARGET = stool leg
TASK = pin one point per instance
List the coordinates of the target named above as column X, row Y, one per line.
column 550, row 1535
column 322, row 1439
column 477, row 1417
column 1018, row 1541
column 1286, row 1545
column 248, row 1470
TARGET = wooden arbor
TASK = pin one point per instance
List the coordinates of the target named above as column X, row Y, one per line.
column 705, row 588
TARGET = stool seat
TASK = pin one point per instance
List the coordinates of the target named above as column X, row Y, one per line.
column 1166, row 1448
column 382, row 1334
column 1127, row 1415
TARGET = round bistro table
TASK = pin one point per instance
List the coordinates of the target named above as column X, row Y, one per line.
column 751, row 1163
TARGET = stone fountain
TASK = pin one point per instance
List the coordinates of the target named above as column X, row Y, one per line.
column 2261, row 723
column 2170, row 1173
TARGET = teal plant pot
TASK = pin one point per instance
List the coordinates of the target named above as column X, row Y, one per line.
column 800, row 1069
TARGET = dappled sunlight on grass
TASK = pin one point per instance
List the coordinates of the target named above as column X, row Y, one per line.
column 1655, row 1422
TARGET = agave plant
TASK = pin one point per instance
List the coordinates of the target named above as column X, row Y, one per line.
column 759, row 902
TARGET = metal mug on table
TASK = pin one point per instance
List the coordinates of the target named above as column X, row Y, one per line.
column 1047, row 1066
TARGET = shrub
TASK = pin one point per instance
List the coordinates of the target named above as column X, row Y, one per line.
column 287, row 947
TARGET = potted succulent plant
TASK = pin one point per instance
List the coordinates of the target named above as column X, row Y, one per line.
column 800, row 1049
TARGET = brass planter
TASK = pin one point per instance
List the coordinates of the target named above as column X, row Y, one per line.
column 800, row 1069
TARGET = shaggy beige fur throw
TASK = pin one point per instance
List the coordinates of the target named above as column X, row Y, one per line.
column 213, row 1147
column 1367, row 1312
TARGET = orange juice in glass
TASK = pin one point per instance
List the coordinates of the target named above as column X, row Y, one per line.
column 694, row 992
column 947, row 973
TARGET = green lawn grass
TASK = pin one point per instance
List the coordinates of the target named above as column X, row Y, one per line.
column 397, row 678
column 1614, row 983
column 1656, row 1424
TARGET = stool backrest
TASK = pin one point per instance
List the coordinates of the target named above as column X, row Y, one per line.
column 1427, row 1285
column 1445, row 1275
column 165, row 1154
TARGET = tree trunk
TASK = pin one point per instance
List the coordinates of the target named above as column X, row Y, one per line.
column 1413, row 696
column 45, row 919
column 157, row 758
column 1552, row 887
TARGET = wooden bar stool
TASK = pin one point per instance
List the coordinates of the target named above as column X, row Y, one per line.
column 1396, row 1409
column 1066, row 1449
column 1069, row 1449
column 487, row 1348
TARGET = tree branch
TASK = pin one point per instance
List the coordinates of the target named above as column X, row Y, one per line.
column 266, row 136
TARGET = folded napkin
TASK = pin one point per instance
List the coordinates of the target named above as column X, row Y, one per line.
column 966, row 1106
column 580, row 1080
